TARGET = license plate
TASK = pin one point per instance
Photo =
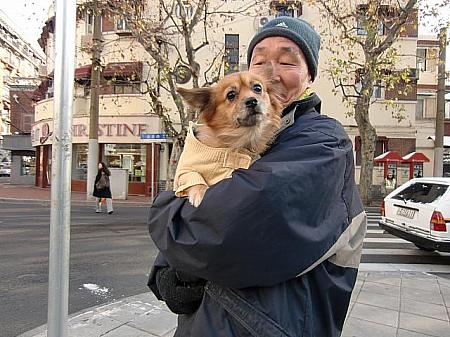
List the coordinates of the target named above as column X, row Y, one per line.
column 407, row 213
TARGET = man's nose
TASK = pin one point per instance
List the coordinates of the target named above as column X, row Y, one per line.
column 275, row 67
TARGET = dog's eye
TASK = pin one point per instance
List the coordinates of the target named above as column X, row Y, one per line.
column 231, row 95
column 257, row 88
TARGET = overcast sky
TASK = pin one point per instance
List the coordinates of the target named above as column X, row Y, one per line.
column 28, row 16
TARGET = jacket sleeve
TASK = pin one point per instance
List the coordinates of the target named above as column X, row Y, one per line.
column 266, row 224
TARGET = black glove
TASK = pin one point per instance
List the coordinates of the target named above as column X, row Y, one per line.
column 181, row 292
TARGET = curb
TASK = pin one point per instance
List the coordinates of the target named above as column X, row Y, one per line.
column 74, row 202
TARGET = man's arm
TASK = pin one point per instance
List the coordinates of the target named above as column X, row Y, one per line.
column 266, row 224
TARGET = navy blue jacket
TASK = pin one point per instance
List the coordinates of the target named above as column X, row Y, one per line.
column 278, row 243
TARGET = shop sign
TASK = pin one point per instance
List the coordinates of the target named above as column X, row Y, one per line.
column 109, row 130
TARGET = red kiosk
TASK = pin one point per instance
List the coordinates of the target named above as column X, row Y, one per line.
column 390, row 159
column 415, row 161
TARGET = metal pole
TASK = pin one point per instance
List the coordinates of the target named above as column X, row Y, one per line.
column 95, row 101
column 58, row 279
column 440, row 113
column 153, row 172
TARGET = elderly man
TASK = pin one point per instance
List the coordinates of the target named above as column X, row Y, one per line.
column 274, row 250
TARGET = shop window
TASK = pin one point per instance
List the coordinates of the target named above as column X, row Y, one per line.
column 80, row 158
column 127, row 156
column 231, row 53
column 28, row 166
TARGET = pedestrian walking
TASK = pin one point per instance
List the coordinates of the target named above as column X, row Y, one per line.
column 274, row 250
column 102, row 189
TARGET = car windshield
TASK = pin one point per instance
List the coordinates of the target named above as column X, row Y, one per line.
column 423, row 193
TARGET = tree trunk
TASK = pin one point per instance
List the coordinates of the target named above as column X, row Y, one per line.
column 368, row 142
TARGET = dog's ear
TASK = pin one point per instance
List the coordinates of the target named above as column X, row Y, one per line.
column 199, row 99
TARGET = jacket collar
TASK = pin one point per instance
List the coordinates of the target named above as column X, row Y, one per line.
column 297, row 109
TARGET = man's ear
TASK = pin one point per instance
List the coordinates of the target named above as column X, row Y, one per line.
column 197, row 98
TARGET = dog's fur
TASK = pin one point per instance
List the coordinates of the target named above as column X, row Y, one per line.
column 243, row 111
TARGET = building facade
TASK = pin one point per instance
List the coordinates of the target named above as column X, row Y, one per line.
column 21, row 67
column 126, row 112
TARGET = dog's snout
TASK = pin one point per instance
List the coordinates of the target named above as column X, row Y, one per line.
column 251, row 102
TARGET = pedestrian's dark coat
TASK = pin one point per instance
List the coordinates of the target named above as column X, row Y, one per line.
column 104, row 193
column 278, row 243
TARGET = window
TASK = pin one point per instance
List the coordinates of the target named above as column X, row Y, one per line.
column 126, row 87
column 121, row 24
column 89, row 19
column 421, row 61
column 231, row 53
column 127, row 156
column 422, row 193
column 360, row 30
column 420, row 108
column 380, row 147
column 286, row 8
column 185, row 8
column 28, row 166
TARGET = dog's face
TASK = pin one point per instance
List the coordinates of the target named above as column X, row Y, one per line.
column 243, row 109
column 238, row 100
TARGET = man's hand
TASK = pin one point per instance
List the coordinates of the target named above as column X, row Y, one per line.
column 181, row 296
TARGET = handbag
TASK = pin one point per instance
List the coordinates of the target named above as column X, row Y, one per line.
column 102, row 183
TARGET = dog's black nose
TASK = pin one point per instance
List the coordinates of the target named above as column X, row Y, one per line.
column 251, row 102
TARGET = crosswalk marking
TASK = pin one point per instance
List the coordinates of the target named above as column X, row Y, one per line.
column 382, row 247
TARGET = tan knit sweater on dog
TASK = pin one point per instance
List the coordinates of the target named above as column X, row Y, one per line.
column 200, row 164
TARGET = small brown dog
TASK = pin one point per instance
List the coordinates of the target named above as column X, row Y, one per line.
column 239, row 117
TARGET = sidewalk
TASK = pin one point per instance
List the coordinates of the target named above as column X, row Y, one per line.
column 27, row 193
column 384, row 304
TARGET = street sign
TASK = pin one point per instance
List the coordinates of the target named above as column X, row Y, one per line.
column 154, row 137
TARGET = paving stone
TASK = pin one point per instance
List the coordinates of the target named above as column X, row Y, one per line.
column 407, row 333
column 426, row 284
column 170, row 334
column 355, row 327
column 378, row 300
column 393, row 279
column 127, row 312
column 417, row 276
column 422, row 295
column 424, row 309
column 382, row 289
column 127, row 331
column 156, row 323
column 425, row 325
column 97, row 325
column 375, row 314
column 445, row 291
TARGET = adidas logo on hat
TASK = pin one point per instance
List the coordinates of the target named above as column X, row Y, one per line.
column 282, row 24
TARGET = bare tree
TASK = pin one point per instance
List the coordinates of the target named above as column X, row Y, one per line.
column 174, row 33
column 362, row 40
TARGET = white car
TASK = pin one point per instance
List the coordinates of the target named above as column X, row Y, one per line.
column 5, row 170
column 419, row 211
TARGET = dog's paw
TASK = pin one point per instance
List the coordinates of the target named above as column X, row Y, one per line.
column 195, row 194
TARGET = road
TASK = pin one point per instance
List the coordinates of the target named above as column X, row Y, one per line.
column 382, row 247
column 110, row 256
column 110, row 259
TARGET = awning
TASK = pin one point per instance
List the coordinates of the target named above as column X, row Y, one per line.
column 389, row 156
column 415, row 157
column 83, row 72
column 123, row 69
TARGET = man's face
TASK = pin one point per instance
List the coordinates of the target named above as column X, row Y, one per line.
column 287, row 64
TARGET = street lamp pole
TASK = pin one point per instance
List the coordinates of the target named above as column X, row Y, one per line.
column 58, row 279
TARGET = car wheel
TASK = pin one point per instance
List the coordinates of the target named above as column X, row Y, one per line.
column 424, row 248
